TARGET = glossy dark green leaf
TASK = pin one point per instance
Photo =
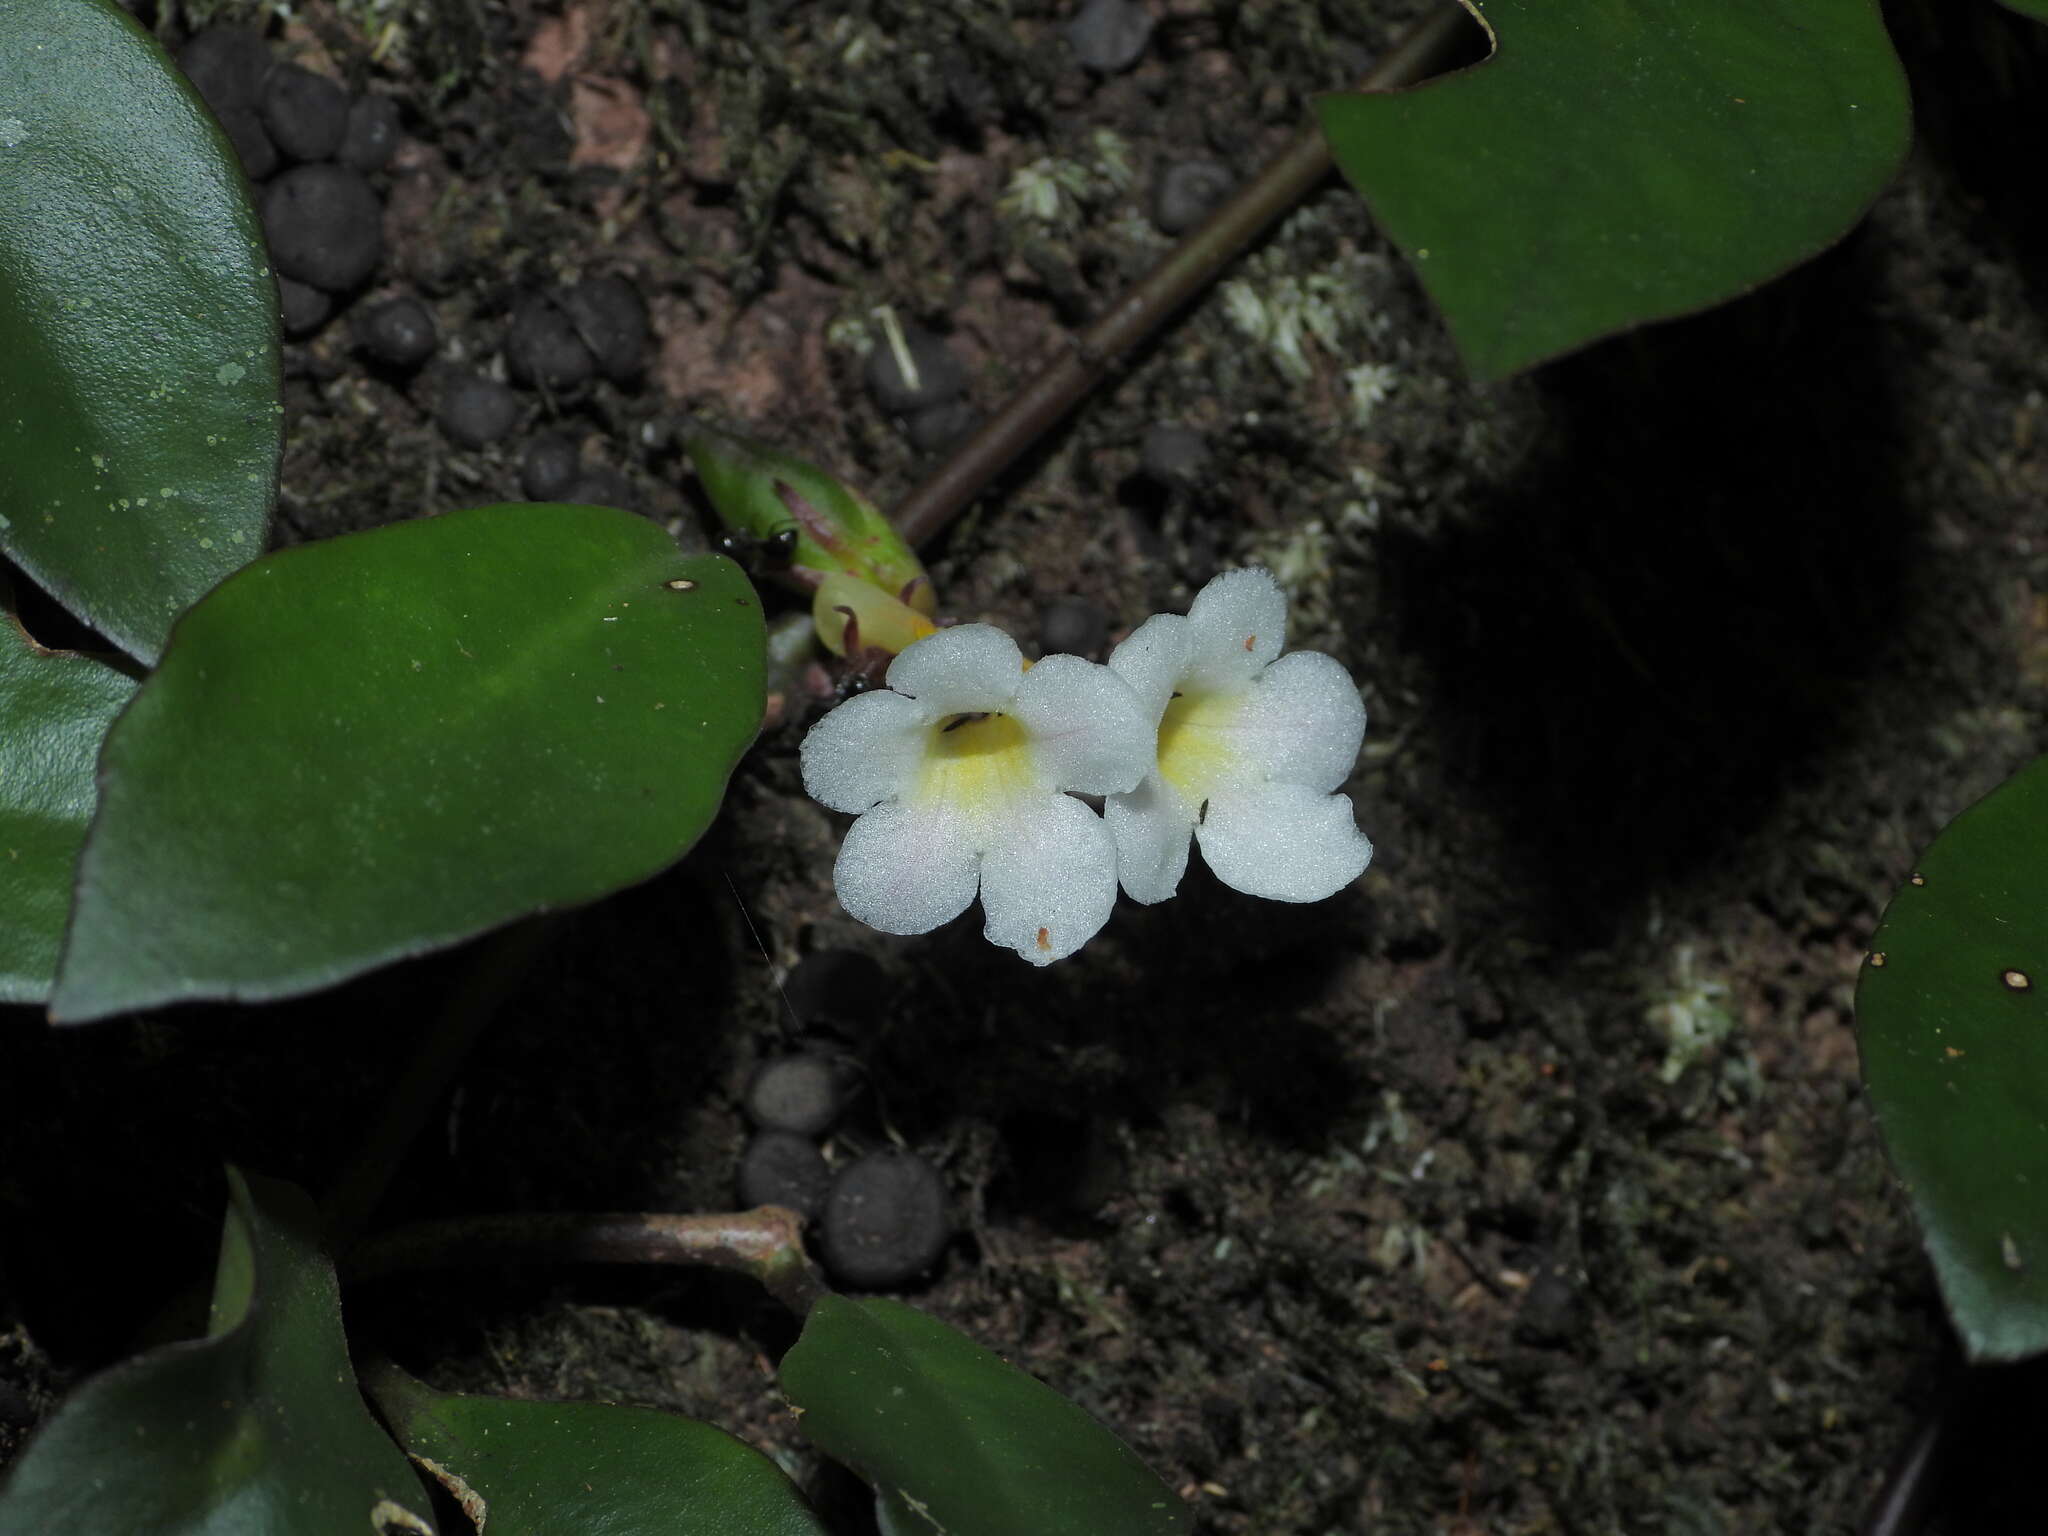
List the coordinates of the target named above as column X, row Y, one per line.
column 2038, row 9
column 257, row 1428
column 1619, row 163
column 956, row 1438
column 55, row 707
column 384, row 743
column 1952, row 1014
column 540, row 1469
column 139, row 417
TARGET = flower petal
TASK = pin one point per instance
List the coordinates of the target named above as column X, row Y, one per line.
column 865, row 751
column 905, row 871
column 963, row 670
column 1048, row 886
column 1306, row 720
column 1151, row 825
column 1286, row 842
column 1088, row 730
column 1236, row 625
column 1152, row 659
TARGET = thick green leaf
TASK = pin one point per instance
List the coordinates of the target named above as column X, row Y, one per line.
column 1619, row 163
column 257, row 1428
column 1952, row 1013
column 2038, row 9
column 54, row 710
column 374, row 746
column 953, row 1435
column 139, row 415
column 540, row 1469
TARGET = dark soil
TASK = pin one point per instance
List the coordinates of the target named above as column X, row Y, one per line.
column 1525, row 1186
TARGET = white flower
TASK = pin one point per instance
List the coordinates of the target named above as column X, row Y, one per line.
column 1251, row 746
column 959, row 774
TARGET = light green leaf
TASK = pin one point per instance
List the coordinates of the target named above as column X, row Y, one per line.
column 761, row 492
column 1624, row 162
column 540, row 1469
column 256, row 1428
column 139, row 415
column 1952, row 1015
column 374, row 746
column 55, row 707
column 954, row 1438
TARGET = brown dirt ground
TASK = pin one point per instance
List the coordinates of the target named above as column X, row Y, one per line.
column 1399, row 1213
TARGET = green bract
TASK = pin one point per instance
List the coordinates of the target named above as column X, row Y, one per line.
column 257, row 1427
column 955, row 1440
column 377, row 745
column 762, row 491
column 54, row 708
column 540, row 1469
column 1952, row 1014
column 139, row 425
column 1619, row 163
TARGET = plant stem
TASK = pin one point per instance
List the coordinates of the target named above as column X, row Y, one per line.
column 498, row 965
column 1089, row 358
column 766, row 1243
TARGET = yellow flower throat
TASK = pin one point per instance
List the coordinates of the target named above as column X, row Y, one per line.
column 1198, row 743
column 977, row 763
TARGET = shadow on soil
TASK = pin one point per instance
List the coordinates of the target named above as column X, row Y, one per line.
column 1650, row 629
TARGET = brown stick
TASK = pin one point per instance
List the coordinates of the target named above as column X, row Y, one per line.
column 766, row 1243
column 1197, row 262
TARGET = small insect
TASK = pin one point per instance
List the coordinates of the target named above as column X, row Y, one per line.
column 759, row 552
column 861, row 674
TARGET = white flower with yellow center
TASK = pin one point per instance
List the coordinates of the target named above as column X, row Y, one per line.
column 1252, row 745
column 959, row 773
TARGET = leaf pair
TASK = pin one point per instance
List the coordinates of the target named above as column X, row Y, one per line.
column 349, row 752
column 369, row 748
column 260, row 1426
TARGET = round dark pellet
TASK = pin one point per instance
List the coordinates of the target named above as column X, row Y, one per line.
column 1072, row 626
column 371, row 137
column 779, row 1168
column 325, row 226
column 398, row 332
column 227, row 66
column 475, row 411
column 884, row 1220
column 804, row 1093
column 843, row 985
column 542, row 347
column 251, row 142
column 1187, row 192
column 549, row 467
column 1552, row 1310
column 1173, row 455
column 939, row 428
column 1109, row 36
column 601, row 487
column 301, row 310
column 939, row 376
column 305, row 113
column 611, row 319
